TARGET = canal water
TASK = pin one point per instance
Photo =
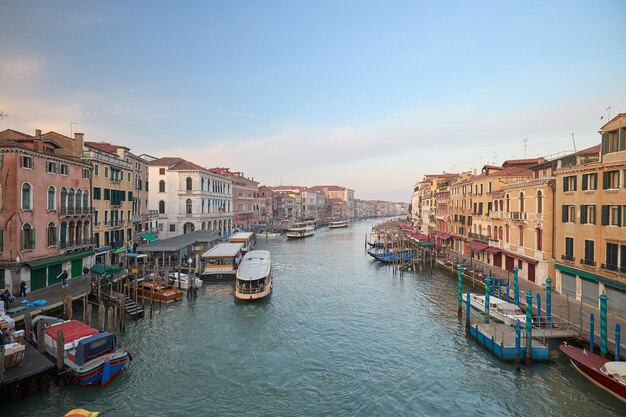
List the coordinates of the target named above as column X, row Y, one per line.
column 340, row 336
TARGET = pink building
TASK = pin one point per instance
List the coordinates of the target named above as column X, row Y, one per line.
column 245, row 193
column 45, row 209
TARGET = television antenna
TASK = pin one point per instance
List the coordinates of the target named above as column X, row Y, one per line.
column 3, row 115
column 525, row 140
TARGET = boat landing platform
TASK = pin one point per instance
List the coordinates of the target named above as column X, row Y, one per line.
column 499, row 339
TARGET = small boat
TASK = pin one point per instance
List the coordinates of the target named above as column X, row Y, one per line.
column 268, row 235
column 300, row 230
column 90, row 356
column 184, row 281
column 392, row 256
column 507, row 313
column 254, row 276
column 609, row 375
column 337, row 224
column 81, row 412
column 157, row 290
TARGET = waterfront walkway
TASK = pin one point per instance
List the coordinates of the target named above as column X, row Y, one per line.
column 565, row 308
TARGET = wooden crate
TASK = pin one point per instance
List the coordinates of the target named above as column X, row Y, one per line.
column 14, row 356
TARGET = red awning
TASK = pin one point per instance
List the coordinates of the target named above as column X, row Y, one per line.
column 477, row 246
column 72, row 330
column 530, row 261
column 445, row 236
column 418, row 236
column 456, row 237
column 492, row 250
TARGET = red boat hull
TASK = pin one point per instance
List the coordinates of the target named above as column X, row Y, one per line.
column 589, row 365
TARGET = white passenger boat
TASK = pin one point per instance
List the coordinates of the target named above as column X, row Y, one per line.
column 268, row 235
column 222, row 259
column 508, row 313
column 337, row 224
column 254, row 276
column 300, row 230
column 184, row 281
column 247, row 238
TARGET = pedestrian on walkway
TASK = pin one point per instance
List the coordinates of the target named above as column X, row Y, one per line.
column 63, row 277
column 85, row 273
column 23, row 287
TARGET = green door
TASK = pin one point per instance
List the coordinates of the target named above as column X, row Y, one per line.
column 37, row 279
column 53, row 272
column 77, row 267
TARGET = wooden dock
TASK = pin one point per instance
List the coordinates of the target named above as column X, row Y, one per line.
column 31, row 376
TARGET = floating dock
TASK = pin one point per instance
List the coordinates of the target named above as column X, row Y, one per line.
column 499, row 339
column 31, row 376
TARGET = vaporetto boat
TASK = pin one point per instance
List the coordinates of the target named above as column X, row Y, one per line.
column 300, row 230
column 254, row 276
column 337, row 224
column 507, row 313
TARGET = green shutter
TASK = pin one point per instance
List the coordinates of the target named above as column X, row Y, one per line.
column 619, row 215
column 583, row 214
column 130, row 196
column 585, row 182
column 605, row 215
column 606, row 181
column 564, row 213
column 575, row 178
column 107, row 194
column 605, row 143
column 565, row 185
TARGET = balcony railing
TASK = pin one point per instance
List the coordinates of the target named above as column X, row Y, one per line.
column 568, row 258
column 75, row 211
column 77, row 243
column 518, row 215
column 588, row 262
column 477, row 236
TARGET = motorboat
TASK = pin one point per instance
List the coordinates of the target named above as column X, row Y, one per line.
column 254, row 276
column 300, row 230
column 175, row 278
column 609, row 375
column 507, row 313
column 337, row 224
column 157, row 289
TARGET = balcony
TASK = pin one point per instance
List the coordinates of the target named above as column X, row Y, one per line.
column 612, row 267
column 518, row 215
column 477, row 236
column 110, row 160
column 496, row 215
column 73, row 244
column 569, row 258
column 137, row 218
column 75, row 211
column 588, row 262
column 116, row 203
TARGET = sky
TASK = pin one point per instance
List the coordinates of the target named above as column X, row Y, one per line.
column 369, row 95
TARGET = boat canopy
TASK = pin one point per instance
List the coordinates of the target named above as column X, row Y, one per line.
column 91, row 347
column 617, row 370
column 255, row 265
column 241, row 237
column 72, row 330
column 223, row 250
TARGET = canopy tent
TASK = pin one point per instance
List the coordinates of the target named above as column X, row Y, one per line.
column 102, row 269
column 149, row 237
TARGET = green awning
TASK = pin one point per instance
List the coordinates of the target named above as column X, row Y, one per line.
column 102, row 269
column 427, row 244
column 591, row 277
column 120, row 250
column 53, row 260
column 149, row 237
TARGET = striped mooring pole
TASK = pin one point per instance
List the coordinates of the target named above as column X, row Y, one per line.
column 507, row 291
column 538, row 310
column 499, row 288
column 603, row 325
column 529, row 326
column 592, row 335
column 467, row 315
column 518, row 355
column 618, row 337
column 515, row 286
column 460, row 289
column 487, row 289
column 548, row 301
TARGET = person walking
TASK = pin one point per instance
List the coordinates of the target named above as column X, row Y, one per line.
column 63, row 277
column 85, row 273
column 23, row 287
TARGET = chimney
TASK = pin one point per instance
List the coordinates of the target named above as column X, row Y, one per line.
column 79, row 141
column 38, row 133
column 474, row 171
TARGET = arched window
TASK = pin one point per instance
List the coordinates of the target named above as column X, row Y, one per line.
column 70, row 199
column 52, row 234
column 189, row 206
column 506, row 231
column 27, row 196
column 189, row 183
column 52, row 198
column 85, row 199
column 161, row 207
column 489, row 231
column 539, row 202
column 79, row 199
column 161, row 186
column 508, row 203
column 63, row 198
column 28, row 237
column 500, row 232
column 521, row 202
column 501, row 205
column 202, row 188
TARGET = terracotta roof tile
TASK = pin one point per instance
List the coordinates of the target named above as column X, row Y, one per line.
column 105, row 146
column 177, row 164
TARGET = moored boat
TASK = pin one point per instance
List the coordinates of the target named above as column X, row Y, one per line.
column 222, row 259
column 157, row 290
column 184, row 281
column 392, row 255
column 300, row 230
column 90, row 356
column 507, row 313
column 247, row 238
column 254, row 276
column 609, row 375
column 337, row 224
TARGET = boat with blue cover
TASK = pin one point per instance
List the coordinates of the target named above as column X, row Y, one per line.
column 404, row 255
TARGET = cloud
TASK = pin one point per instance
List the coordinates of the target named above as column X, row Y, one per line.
column 19, row 70
column 236, row 113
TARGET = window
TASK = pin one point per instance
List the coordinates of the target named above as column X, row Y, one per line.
column 189, row 183
column 86, row 199
column 106, row 217
column 130, row 196
column 1, row 240
column 96, row 221
column 610, row 180
column 539, row 239
column 64, row 169
column 52, row 194
column 611, row 215
column 587, row 214
column 521, row 202
column 172, row 227
column 508, row 203
column 161, row 186
column 613, row 141
column 569, row 183
column 569, row 249
column 51, row 167
column 611, row 257
column 106, row 172
column 28, row 237
column 506, row 233
column 161, row 207
column 129, row 177
column 97, row 193
column 567, row 213
column 589, row 253
column 63, row 198
column 161, row 171
column 590, row 182
column 79, row 200
column 96, row 170
column 107, row 194
column 27, row 197
column 52, row 234
column 86, row 173
column 27, row 162
column 188, row 205
column 539, row 202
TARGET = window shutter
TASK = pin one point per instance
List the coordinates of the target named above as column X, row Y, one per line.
column 605, row 215
column 593, row 214
column 621, row 139
column 619, row 215
column 575, row 178
column 565, row 187
column 585, row 182
column 32, row 238
column 564, row 214
column 606, row 181
column 605, row 143
column 583, row 214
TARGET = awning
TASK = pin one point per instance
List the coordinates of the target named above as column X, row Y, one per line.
column 522, row 258
column 103, row 249
column 455, row 237
column 53, row 260
column 444, row 236
column 120, row 250
column 102, row 269
column 477, row 246
column 149, row 237
column 418, row 236
column 492, row 250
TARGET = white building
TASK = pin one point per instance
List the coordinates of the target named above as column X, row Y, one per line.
column 189, row 197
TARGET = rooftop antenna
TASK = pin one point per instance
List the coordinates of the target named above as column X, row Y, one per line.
column 525, row 140
column 608, row 109
column 3, row 115
column 72, row 129
column 574, row 142
column 495, row 155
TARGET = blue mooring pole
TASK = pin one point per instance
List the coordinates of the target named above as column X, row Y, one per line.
column 515, row 286
column 487, row 289
column 592, row 335
column 529, row 326
column 460, row 289
column 603, row 325
column 507, row 290
column 467, row 315
column 549, row 301
column 499, row 288
column 538, row 310
column 518, row 337
column 618, row 337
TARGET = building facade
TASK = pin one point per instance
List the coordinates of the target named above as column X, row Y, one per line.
column 245, row 194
